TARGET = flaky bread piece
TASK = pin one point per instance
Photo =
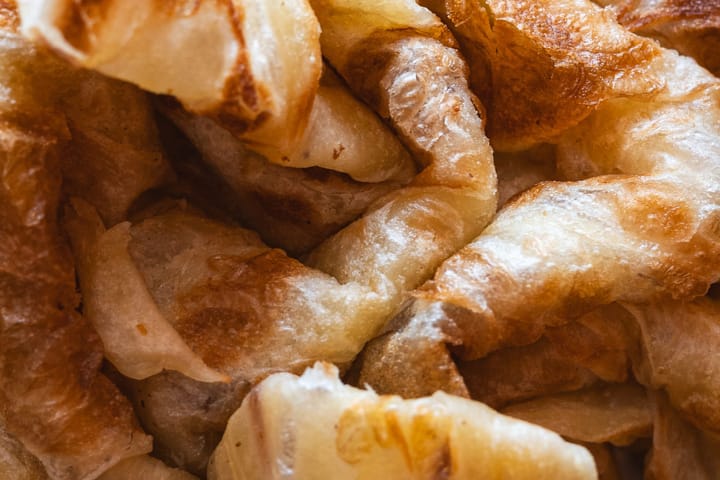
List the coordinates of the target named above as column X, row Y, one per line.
column 541, row 66
column 569, row 357
column 252, row 65
column 53, row 398
column 679, row 342
column 294, row 209
column 564, row 248
column 680, row 451
column 344, row 136
column 689, row 26
column 115, row 153
column 286, row 421
column 411, row 359
column 144, row 467
column 400, row 59
column 179, row 291
column 616, row 413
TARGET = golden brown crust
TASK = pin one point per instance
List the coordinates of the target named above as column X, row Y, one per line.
column 204, row 323
column 492, row 288
column 50, row 358
column 692, row 27
column 243, row 308
column 115, row 154
column 83, row 22
column 54, row 399
column 542, row 66
column 566, row 358
column 197, row 51
column 419, row 84
column 647, row 233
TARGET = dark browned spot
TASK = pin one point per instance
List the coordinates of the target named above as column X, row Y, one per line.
column 223, row 317
column 295, row 209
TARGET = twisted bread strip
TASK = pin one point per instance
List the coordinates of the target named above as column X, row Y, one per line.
column 393, row 248
column 688, row 367
column 679, row 450
column 211, row 301
column 400, row 59
column 562, row 249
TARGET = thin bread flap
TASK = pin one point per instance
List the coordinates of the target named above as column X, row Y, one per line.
column 212, row 56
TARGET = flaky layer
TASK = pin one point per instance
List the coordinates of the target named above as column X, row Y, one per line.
column 679, row 450
column 676, row 339
column 209, row 300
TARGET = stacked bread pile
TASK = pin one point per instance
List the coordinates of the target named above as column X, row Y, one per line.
column 259, row 239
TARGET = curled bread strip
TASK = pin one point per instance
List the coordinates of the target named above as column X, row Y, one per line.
column 401, row 59
column 647, row 233
column 413, row 77
column 617, row 413
column 345, row 135
column 54, row 399
column 569, row 357
column 116, row 153
column 279, row 429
